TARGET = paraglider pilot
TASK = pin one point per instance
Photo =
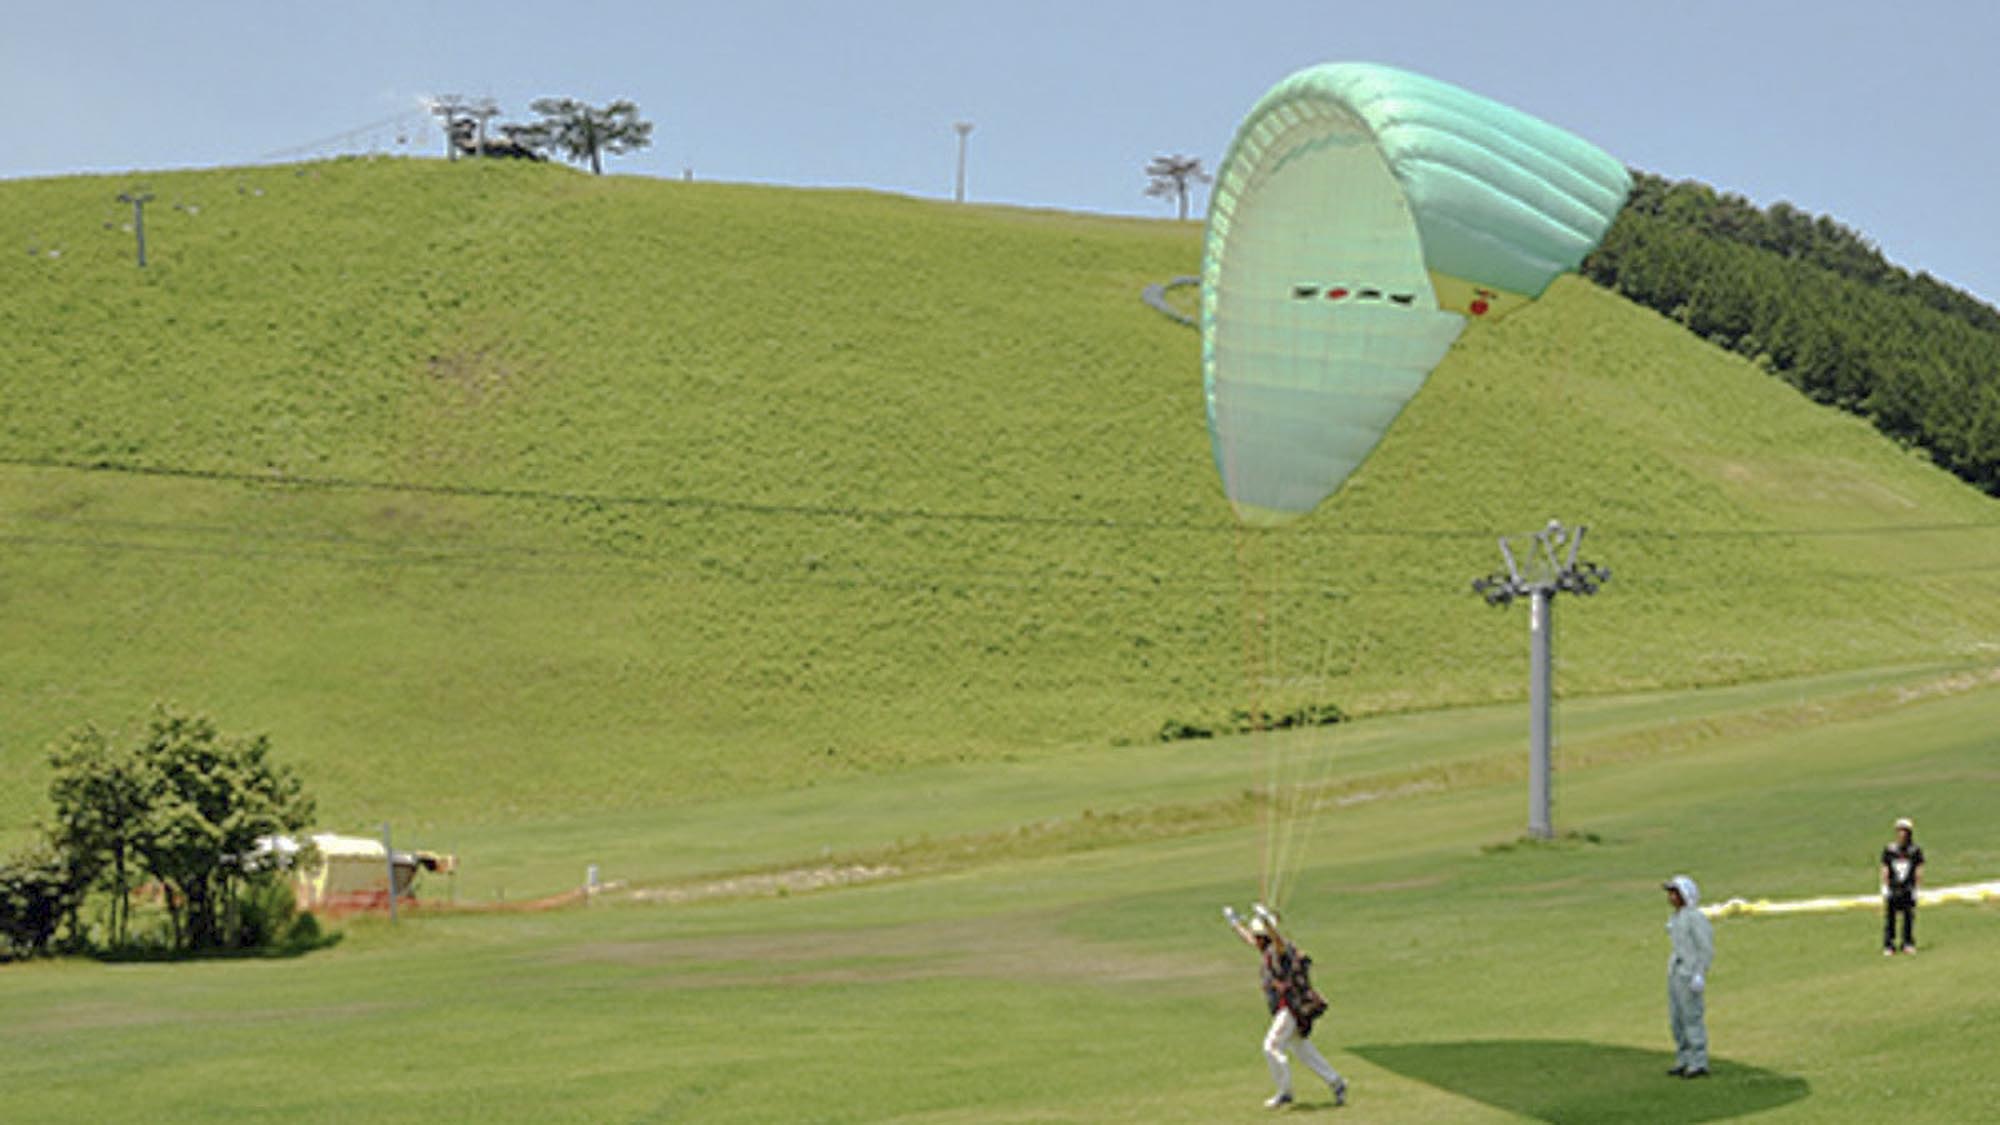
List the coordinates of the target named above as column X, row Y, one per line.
column 1687, row 977
column 1293, row 1002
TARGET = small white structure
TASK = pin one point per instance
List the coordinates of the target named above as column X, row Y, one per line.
column 351, row 873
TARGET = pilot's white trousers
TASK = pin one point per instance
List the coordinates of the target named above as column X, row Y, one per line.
column 1283, row 1040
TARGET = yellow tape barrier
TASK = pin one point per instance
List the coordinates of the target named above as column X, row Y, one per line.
column 1967, row 892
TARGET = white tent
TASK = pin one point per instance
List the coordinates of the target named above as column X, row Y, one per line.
column 352, row 872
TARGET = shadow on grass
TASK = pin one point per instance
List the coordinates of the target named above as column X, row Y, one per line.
column 1562, row 1081
column 296, row 947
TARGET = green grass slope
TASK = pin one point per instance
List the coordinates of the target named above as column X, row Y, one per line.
column 501, row 494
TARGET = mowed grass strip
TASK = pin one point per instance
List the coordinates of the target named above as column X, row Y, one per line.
column 966, row 815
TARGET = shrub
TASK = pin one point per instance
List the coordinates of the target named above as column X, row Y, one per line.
column 266, row 911
column 304, row 934
column 37, row 890
column 1244, row 721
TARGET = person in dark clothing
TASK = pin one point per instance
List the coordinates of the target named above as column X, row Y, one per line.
column 1293, row 1002
column 1902, row 868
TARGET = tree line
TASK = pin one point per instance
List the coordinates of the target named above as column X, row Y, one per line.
column 177, row 813
column 1813, row 302
column 578, row 130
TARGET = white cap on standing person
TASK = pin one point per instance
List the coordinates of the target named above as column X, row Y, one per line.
column 1905, row 824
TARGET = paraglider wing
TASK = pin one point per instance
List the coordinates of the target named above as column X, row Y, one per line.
column 1361, row 215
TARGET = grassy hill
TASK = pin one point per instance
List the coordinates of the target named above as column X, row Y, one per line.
column 504, row 494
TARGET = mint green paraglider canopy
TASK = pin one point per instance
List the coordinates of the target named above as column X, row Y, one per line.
column 1361, row 216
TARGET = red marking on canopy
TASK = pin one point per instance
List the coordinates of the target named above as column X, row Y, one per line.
column 1335, row 293
column 1479, row 308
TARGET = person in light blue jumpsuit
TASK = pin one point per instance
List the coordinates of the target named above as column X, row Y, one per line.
column 1687, row 977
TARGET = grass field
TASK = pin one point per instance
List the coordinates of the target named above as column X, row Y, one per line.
column 501, row 494
column 731, row 538
column 1471, row 983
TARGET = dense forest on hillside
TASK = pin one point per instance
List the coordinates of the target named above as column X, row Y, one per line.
column 1815, row 303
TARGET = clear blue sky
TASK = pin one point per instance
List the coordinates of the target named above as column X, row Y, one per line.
column 1882, row 114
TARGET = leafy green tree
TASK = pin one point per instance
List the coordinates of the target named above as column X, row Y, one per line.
column 584, row 133
column 208, row 801
column 100, row 798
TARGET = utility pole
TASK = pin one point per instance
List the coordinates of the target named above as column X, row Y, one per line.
column 389, row 859
column 138, row 203
column 963, row 128
column 1549, row 567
